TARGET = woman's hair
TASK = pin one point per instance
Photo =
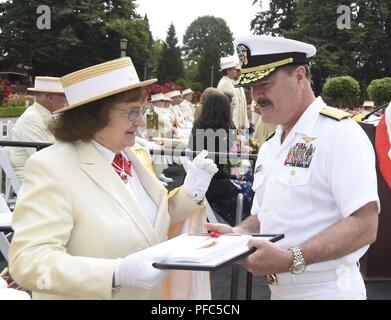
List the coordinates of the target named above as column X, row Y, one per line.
column 81, row 123
column 207, row 92
column 216, row 114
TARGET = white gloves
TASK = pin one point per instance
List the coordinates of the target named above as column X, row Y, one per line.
column 198, row 176
column 136, row 269
column 10, row 293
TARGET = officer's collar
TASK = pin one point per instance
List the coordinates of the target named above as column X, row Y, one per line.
column 308, row 119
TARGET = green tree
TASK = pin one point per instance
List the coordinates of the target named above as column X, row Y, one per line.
column 82, row 33
column 206, row 40
column 317, row 24
column 380, row 90
column 157, row 50
column 280, row 16
column 170, row 64
column 342, row 91
column 372, row 40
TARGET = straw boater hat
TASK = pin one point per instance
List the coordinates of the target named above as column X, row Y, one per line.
column 174, row 93
column 227, row 62
column 261, row 55
column 187, row 91
column 157, row 97
column 47, row 84
column 167, row 97
column 100, row 81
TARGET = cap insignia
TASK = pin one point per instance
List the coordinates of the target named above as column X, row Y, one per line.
column 243, row 53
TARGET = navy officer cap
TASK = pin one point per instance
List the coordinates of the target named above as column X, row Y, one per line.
column 261, row 55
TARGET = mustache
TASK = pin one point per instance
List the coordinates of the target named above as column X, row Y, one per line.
column 262, row 101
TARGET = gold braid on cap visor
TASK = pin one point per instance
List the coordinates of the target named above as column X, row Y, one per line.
column 250, row 75
column 247, row 78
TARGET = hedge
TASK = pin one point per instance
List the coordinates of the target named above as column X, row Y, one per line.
column 11, row 112
column 379, row 90
column 342, row 91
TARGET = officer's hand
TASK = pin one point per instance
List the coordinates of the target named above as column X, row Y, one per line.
column 219, row 227
column 267, row 259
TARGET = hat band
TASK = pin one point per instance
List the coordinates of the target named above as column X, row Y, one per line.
column 101, row 85
column 265, row 59
column 268, row 66
column 48, row 85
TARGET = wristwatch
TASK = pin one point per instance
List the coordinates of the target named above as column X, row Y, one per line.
column 298, row 265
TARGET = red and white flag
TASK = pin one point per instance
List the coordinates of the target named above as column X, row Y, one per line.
column 383, row 145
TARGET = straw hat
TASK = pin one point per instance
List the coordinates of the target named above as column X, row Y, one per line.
column 100, row 81
column 157, row 97
column 186, row 91
column 47, row 84
column 174, row 93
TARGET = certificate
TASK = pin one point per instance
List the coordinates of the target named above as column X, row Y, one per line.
column 206, row 253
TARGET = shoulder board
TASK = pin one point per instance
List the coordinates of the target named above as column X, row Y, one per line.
column 271, row 136
column 334, row 113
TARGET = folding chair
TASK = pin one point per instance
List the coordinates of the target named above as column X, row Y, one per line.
column 12, row 183
column 4, row 236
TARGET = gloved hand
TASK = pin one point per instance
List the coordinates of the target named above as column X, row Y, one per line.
column 136, row 269
column 199, row 175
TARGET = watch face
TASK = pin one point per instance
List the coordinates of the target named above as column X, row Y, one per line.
column 299, row 267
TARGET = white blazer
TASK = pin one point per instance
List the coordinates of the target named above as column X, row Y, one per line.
column 74, row 216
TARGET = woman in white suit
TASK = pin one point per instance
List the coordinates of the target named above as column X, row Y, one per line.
column 88, row 206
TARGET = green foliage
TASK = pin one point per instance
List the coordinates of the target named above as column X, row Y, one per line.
column 153, row 63
column 280, row 16
column 380, row 90
column 342, row 91
column 11, row 112
column 194, row 85
column 206, row 40
column 83, row 33
column 170, row 64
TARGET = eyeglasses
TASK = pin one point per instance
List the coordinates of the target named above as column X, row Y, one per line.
column 133, row 113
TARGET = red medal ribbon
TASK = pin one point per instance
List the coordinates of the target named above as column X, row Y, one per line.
column 121, row 165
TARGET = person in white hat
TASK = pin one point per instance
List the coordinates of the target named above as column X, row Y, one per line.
column 165, row 123
column 306, row 183
column 187, row 106
column 226, row 84
column 88, row 206
column 177, row 111
column 32, row 125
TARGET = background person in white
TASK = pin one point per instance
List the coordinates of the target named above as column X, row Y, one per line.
column 187, row 105
column 226, row 84
column 306, row 183
column 82, row 218
column 32, row 125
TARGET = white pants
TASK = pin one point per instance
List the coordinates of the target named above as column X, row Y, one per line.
column 343, row 283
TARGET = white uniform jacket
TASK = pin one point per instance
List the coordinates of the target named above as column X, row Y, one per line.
column 322, row 172
column 239, row 105
column 32, row 126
